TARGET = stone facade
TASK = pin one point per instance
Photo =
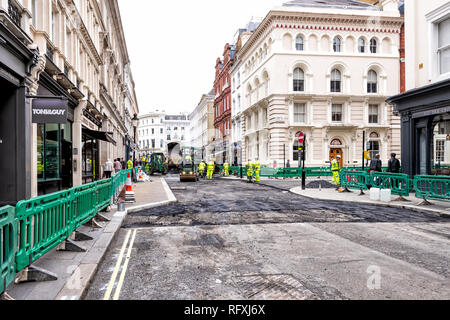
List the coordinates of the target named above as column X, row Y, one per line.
column 326, row 72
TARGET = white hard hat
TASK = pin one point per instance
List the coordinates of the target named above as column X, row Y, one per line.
column 339, row 156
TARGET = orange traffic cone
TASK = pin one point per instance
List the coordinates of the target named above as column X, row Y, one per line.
column 128, row 186
column 129, row 193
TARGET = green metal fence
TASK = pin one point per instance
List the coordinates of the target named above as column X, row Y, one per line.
column 358, row 180
column 432, row 187
column 36, row 226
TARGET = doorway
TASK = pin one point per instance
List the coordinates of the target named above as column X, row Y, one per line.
column 337, row 152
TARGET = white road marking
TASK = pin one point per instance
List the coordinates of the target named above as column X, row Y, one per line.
column 125, row 266
column 116, row 269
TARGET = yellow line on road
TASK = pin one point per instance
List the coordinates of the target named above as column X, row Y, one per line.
column 125, row 266
column 116, row 269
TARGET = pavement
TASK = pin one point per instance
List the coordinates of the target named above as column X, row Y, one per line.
column 75, row 270
column 438, row 208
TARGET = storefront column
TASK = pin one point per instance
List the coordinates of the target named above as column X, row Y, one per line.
column 77, row 145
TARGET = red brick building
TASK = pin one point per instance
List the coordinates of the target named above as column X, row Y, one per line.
column 222, row 104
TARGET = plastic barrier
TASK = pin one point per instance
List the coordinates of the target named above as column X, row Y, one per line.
column 432, row 188
column 398, row 183
column 38, row 225
column 8, row 246
column 358, row 180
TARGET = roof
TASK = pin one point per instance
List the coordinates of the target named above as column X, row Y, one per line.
column 342, row 4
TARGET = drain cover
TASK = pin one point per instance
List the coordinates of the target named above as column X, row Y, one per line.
column 273, row 287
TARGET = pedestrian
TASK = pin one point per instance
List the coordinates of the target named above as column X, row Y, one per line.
column 117, row 165
column 288, row 164
column 394, row 164
column 376, row 165
column 130, row 163
column 108, row 168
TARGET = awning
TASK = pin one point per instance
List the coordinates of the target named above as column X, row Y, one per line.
column 100, row 135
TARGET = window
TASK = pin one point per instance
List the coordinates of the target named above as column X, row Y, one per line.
column 299, row 80
column 299, row 112
column 168, row 137
column 299, row 43
column 374, row 149
column 161, row 144
column 440, row 151
column 372, row 82
column 153, row 131
column 153, row 120
column 444, row 46
column 336, row 113
column 373, row 113
column 336, row 80
column 337, row 44
column 361, row 45
column 54, row 26
column 153, row 144
column 34, row 12
column 162, row 131
column 373, row 46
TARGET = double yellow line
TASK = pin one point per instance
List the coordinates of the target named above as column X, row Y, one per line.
column 117, row 268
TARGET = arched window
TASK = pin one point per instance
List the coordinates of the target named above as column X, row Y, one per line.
column 337, row 44
column 336, row 80
column 299, row 43
column 372, row 82
column 361, row 45
column 373, row 45
column 299, row 80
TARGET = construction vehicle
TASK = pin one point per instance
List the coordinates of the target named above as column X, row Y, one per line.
column 188, row 171
column 158, row 164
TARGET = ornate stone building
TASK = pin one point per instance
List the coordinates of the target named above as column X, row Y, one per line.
column 325, row 70
column 81, row 56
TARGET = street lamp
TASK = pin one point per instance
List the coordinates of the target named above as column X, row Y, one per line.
column 134, row 121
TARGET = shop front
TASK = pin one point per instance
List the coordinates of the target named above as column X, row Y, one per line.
column 16, row 62
column 54, row 142
column 425, row 119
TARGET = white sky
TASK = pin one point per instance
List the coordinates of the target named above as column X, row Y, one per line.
column 173, row 46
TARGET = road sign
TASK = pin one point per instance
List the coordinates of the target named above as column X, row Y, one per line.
column 367, row 155
column 301, row 137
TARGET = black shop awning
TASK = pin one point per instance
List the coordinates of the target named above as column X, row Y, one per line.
column 100, row 135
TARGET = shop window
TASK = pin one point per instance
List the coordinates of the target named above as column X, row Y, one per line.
column 48, row 150
column 440, row 151
column 90, row 159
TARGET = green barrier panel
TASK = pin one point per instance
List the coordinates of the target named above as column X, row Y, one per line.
column 397, row 182
column 8, row 246
column 103, row 194
column 358, row 180
column 44, row 222
column 432, row 187
column 85, row 203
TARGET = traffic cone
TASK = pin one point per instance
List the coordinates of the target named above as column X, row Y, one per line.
column 129, row 193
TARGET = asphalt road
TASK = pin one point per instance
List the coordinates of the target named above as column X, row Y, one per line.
column 231, row 240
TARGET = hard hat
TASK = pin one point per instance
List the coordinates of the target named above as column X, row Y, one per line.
column 339, row 157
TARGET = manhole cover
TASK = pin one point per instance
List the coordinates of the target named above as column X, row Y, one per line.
column 273, row 287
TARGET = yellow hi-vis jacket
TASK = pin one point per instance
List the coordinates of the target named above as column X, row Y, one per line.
column 335, row 165
column 249, row 167
column 211, row 166
column 257, row 166
column 201, row 166
column 130, row 164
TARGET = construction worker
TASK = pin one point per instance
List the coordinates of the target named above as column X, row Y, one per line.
column 130, row 163
column 249, row 166
column 257, row 169
column 336, row 168
column 210, row 170
column 226, row 169
column 201, row 168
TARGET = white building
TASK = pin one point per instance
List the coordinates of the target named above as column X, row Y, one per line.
column 325, row 70
column 152, row 133
column 201, row 129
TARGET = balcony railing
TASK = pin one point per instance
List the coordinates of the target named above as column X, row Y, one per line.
column 14, row 13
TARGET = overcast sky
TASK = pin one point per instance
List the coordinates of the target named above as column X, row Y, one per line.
column 173, row 46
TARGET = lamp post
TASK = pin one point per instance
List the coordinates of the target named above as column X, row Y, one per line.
column 134, row 121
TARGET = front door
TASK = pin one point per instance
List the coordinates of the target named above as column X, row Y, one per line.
column 337, row 152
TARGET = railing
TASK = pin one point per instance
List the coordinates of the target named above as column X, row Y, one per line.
column 36, row 226
column 432, row 188
column 398, row 183
column 358, row 180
